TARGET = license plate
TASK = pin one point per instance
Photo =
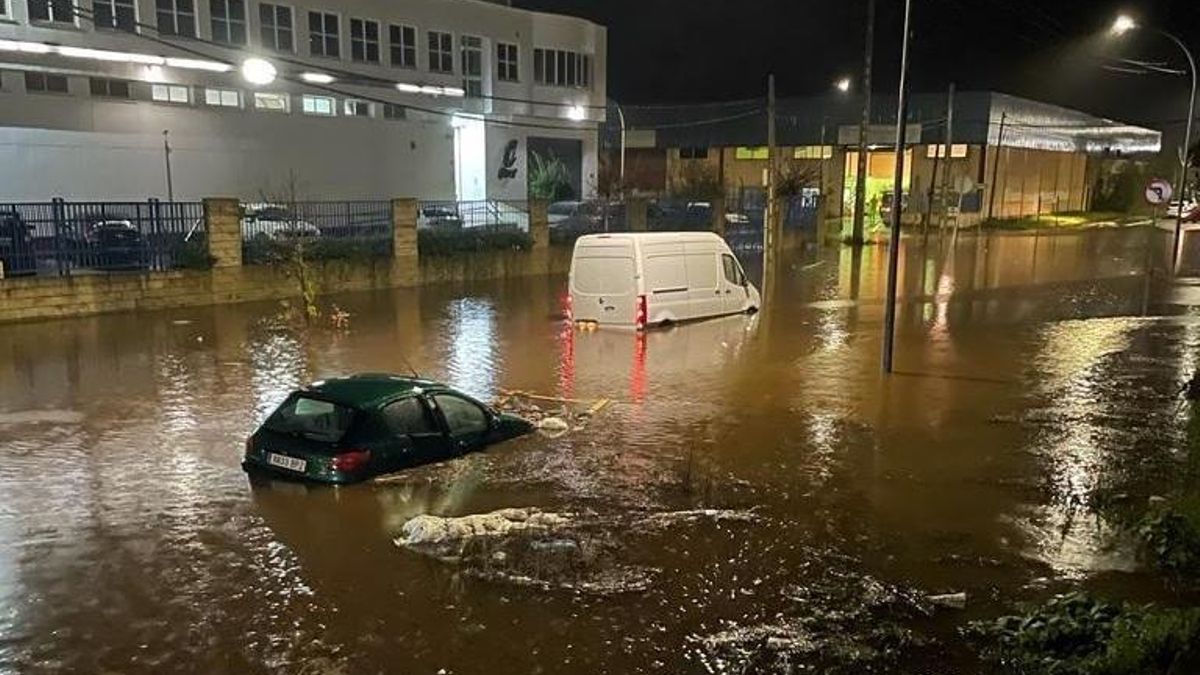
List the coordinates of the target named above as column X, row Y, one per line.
column 290, row 463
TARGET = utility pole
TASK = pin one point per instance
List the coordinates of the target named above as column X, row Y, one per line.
column 167, row 159
column 889, row 315
column 770, row 216
column 860, row 180
column 949, row 156
column 996, row 165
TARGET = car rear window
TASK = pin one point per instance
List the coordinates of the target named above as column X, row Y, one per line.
column 311, row 418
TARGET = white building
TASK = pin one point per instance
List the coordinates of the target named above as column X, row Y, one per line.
column 437, row 99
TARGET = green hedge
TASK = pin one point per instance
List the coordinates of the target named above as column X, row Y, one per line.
column 265, row 250
column 471, row 240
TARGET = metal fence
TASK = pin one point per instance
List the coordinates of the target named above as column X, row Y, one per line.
column 496, row 215
column 570, row 220
column 324, row 229
column 70, row 238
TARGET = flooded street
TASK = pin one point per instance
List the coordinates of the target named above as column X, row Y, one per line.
column 755, row 498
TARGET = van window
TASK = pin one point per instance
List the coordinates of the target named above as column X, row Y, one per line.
column 609, row 276
column 733, row 273
column 666, row 273
column 701, row 271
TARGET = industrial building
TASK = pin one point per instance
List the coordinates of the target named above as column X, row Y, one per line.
column 329, row 99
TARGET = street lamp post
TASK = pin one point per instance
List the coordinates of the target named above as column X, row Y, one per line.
column 1123, row 24
column 889, row 310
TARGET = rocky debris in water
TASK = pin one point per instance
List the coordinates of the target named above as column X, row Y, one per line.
column 949, row 600
column 554, row 417
column 553, row 426
column 446, row 537
column 669, row 518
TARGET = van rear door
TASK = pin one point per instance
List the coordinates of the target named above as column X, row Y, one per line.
column 603, row 282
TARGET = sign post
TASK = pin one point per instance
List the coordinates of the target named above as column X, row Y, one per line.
column 1158, row 191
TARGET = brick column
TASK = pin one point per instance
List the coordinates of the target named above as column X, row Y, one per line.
column 223, row 218
column 405, row 254
column 718, row 216
column 539, row 231
column 635, row 213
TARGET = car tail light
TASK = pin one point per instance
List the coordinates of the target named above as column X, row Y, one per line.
column 639, row 318
column 350, row 460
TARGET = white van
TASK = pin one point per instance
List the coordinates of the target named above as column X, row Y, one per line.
column 651, row 278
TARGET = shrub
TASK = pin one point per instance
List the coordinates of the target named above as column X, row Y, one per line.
column 470, row 240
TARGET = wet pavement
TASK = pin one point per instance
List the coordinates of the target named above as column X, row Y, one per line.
column 755, row 498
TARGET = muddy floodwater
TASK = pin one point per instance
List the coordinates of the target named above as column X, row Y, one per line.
column 754, row 497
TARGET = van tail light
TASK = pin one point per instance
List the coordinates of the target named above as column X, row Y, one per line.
column 639, row 318
column 350, row 460
column 570, row 306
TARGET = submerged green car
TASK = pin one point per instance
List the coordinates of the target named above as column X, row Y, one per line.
column 349, row 429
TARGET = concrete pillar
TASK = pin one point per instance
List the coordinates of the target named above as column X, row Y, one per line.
column 223, row 219
column 405, row 251
column 539, row 232
column 718, row 216
column 635, row 213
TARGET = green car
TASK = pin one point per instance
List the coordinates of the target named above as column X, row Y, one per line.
column 349, row 429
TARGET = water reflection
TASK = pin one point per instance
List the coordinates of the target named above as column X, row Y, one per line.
column 127, row 529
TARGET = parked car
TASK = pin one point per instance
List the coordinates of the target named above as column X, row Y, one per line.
column 348, row 429
column 576, row 216
column 653, row 278
column 113, row 245
column 438, row 217
column 701, row 214
column 1189, row 207
column 17, row 253
column 274, row 222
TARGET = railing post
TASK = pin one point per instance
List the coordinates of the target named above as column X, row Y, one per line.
column 223, row 220
column 154, row 242
column 57, row 208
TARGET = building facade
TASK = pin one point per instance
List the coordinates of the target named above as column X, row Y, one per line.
column 435, row 99
column 1008, row 157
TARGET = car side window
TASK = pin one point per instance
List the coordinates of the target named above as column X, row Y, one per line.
column 732, row 273
column 409, row 416
column 462, row 416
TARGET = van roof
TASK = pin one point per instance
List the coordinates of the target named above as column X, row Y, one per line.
column 645, row 237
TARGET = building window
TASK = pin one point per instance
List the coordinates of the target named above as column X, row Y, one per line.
column 176, row 17
column 472, row 65
column 391, row 111
column 357, row 108
column 560, row 68
column 228, row 21
column 323, row 35
column 957, row 150
column 364, row 40
column 52, row 11
column 106, row 88
column 693, row 153
column 318, row 105
column 441, row 52
column 507, row 66
column 403, row 41
column 170, row 93
column 46, row 82
column 225, row 98
column 275, row 27
column 750, row 153
column 271, row 102
column 116, row 14
column 812, row 152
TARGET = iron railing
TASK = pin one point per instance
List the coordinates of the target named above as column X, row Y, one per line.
column 570, row 220
column 496, row 215
column 321, row 229
column 70, row 238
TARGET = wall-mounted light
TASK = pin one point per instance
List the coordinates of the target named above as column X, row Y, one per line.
column 576, row 113
column 408, row 88
column 258, row 71
column 153, row 74
column 317, row 78
column 842, row 85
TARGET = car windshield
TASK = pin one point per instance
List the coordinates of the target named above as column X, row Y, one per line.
column 561, row 209
column 311, row 418
column 273, row 214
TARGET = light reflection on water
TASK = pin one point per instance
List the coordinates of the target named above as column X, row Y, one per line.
column 132, row 497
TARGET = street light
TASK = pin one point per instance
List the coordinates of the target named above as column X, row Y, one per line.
column 258, row 71
column 842, row 85
column 1123, row 24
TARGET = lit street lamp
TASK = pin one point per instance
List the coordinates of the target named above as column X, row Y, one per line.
column 258, row 71
column 1122, row 25
column 842, row 85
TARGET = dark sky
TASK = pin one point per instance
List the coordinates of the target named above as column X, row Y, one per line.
column 1054, row 50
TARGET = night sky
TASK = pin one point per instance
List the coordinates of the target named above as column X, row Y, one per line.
column 665, row 51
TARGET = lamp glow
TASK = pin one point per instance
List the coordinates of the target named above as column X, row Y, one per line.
column 576, row 113
column 842, row 85
column 258, row 71
column 1123, row 24
column 317, row 78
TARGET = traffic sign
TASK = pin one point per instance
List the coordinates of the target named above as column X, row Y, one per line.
column 1158, row 191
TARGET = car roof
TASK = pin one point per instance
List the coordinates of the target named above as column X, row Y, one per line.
column 646, row 237
column 369, row 390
